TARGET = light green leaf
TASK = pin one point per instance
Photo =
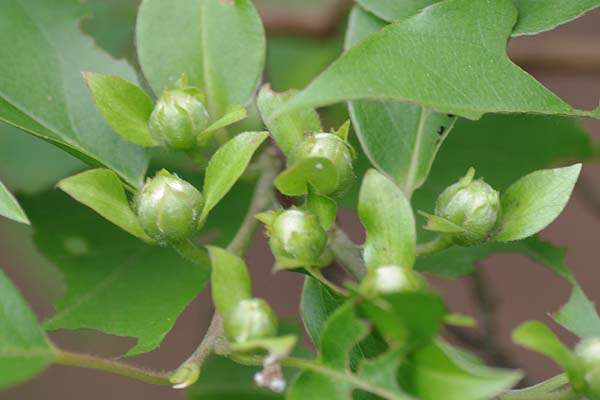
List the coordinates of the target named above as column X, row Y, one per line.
column 579, row 315
column 278, row 347
column 220, row 45
column 317, row 171
column 102, row 191
column 437, row 373
column 234, row 114
column 288, row 130
column 325, row 208
column 10, row 208
column 331, row 377
column 436, row 223
column 465, row 70
column 400, row 139
column 114, row 282
column 537, row 16
column 536, row 336
column 24, row 349
column 227, row 165
column 123, row 105
column 230, row 280
column 534, row 15
column 52, row 102
column 389, row 221
column 534, row 201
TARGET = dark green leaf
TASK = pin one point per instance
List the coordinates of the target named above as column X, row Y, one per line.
column 400, row 139
column 114, row 282
column 10, row 208
column 579, row 315
column 389, row 221
column 317, row 304
column 287, row 130
column 24, row 349
column 465, row 70
column 220, row 45
column 227, row 165
column 123, row 105
column 534, row 201
column 101, row 190
column 436, row 372
column 52, row 102
column 230, row 280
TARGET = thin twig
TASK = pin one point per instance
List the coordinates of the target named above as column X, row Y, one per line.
column 347, row 253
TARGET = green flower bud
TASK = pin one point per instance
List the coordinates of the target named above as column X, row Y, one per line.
column 388, row 279
column 297, row 235
column 168, row 208
column 588, row 353
column 178, row 117
column 249, row 320
column 331, row 147
column 473, row 205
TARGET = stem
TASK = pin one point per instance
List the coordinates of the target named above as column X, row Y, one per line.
column 434, row 246
column 347, row 253
column 187, row 373
column 189, row 250
column 545, row 387
column 116, row 367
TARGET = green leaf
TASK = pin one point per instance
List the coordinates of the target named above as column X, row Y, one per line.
column 229, row 279
column 534, row 16
column 24, row 349
column 10, row 208
column 114, row 282
column 316, row 171
column 233, row 114
column 400, row 139
column 220, row 45
column 579, row 315
column 123, row 105
column 325, row 208
column 331, row 378
column 227, row 165
column 536, row 336
column 468, row 77
column 389, row 221
column 409, row 319
column 223, row 379
column 316, row 305
column 288, row 130
column 534, row 201
column 538, row 16
column 54, row 104
column 438, row 373
column 101, row 190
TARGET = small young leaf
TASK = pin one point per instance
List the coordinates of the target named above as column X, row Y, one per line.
column 536, row 336
column 325, row 208
column 234, row 114
column 220, row 45
column 287, row 130
column 24, row 349
column 229, row 279
column 317, row 171
column 10, row 208
column 278, row 347
column 436, row 372
column 579, row 315
column 102, row 191
column 227, row 165
column 389, row 221
column 123, row 105
column 436, row 223
column 534, row 201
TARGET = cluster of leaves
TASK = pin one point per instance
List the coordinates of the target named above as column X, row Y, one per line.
column 418, row 131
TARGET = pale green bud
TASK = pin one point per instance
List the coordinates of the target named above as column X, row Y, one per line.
column 249, row 320
column 389, row 279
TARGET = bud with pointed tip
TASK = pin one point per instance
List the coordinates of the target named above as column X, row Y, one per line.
column 178, row 117
column 472, row 205
column 331, row 147
column 296, row 235
column 168, row 208
column 249, row 320
column 389, row 279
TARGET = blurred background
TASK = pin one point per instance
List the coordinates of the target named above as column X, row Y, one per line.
column 303, row 38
